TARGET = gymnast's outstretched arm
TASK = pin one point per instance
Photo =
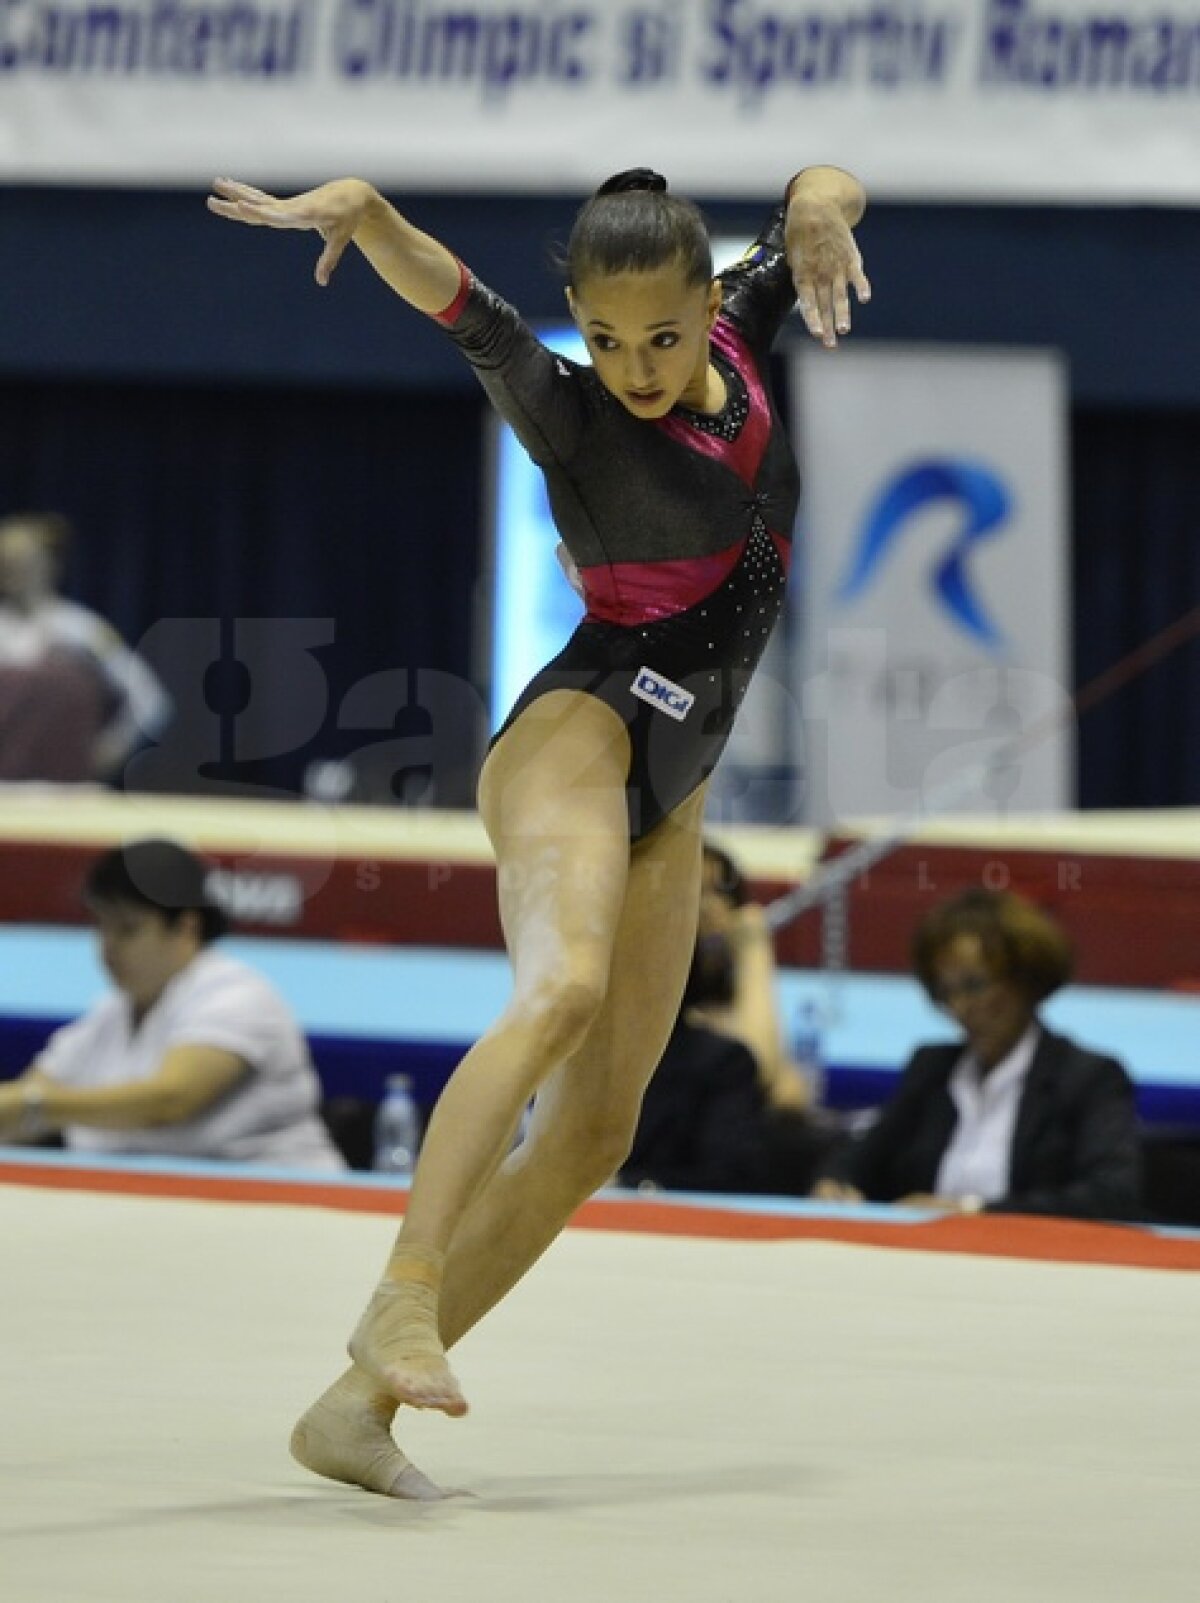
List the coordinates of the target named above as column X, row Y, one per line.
column 414, row 264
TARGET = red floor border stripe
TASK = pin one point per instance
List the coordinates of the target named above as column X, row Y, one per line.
column 987, row 1235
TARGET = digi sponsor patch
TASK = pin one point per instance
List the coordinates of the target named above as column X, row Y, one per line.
column 663, row 693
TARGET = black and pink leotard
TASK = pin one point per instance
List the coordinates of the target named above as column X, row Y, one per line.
column 680, row 526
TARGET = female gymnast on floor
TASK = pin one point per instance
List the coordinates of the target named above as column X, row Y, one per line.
column 674, row 487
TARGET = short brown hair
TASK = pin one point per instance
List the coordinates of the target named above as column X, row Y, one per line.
column 1022, row 943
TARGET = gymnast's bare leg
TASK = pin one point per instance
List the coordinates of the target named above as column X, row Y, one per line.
column 584, row 1119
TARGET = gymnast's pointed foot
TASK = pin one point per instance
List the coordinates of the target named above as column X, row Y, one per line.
column 397, row 1342
column 345, row 1436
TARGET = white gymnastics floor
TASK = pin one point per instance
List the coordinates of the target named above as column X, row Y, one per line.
column 654, row 1418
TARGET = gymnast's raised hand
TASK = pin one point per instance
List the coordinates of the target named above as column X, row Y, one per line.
column 334, row 210
column 824, row 203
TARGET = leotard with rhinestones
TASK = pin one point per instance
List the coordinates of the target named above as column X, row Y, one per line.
column 680, row 526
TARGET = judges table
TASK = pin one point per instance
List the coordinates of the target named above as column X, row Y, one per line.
column 379, row 927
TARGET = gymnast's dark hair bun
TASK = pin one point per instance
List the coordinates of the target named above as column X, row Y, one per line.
column 632, row 225
column 632, row 178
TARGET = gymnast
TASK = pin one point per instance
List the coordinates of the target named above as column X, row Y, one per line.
column 674, row 488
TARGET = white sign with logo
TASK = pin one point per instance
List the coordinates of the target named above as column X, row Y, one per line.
column 1057, row 100
column 931, row 665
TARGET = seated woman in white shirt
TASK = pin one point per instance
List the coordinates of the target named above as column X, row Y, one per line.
column 1013, row 1118
column 194, row 1054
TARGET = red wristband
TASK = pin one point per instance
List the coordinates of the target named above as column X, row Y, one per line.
column 451, row 314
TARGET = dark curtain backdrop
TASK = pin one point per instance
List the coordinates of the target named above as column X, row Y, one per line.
column 1136, row 556
column 299, row 567
column 303, row 569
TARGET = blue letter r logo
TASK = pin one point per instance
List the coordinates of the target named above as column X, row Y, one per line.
column 985, row 504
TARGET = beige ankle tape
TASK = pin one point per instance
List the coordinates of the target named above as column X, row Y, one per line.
column 403, row 1318
column 422, row 1265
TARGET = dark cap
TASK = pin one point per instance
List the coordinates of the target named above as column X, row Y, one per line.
column 159, row 874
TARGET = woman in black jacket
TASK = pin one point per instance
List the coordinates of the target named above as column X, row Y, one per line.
column 1013, row 1118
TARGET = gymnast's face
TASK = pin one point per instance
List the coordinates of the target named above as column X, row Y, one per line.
column 647, row 334
column 142, row 950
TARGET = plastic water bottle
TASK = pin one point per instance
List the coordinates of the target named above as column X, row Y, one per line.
column 808, row 1050
column 397, row 1129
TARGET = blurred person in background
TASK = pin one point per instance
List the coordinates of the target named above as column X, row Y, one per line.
column 726, row 1110
column 703, row 1120
column 1012, row 1118
column 193, row 1054
column 747, row 1007
column 75, row 701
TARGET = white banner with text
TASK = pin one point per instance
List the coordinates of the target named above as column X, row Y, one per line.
column 1041, row 100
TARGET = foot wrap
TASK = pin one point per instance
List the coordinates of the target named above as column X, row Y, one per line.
column 345, row 1437
column 397, row 1342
